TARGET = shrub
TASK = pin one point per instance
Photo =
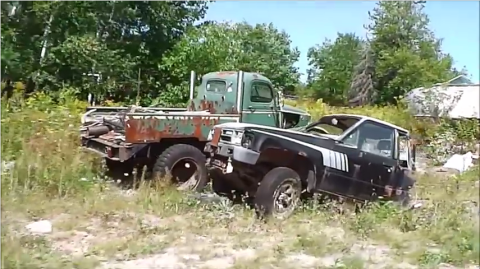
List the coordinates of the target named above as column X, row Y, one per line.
column 40, row 140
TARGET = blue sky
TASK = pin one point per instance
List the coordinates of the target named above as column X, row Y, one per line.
column 310, row 22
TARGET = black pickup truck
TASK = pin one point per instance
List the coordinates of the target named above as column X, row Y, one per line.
column 350, row 156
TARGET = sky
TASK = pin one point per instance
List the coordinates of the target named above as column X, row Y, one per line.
column 311, row 22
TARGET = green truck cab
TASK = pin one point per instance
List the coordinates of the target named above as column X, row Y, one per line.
column 170, row 141
column 254, row 100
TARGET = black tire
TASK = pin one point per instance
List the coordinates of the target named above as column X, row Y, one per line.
column 168, row 164
column 408, row 199
column 268, row 192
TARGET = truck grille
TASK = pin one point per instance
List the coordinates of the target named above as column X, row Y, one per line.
column 226, row 135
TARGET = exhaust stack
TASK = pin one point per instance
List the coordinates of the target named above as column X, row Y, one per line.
column 192, row 84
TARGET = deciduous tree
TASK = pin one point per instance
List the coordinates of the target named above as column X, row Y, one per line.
column 406, row 52
column 231, row 46
column 331, row 67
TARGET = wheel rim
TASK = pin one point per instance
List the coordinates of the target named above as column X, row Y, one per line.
column 185, row 173
column 285, row 199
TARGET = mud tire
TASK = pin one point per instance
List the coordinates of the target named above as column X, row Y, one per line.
column 409, row 195
column 407, row 199
column 170, row 158
column 267, row 193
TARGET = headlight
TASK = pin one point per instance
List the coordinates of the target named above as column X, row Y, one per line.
column 237, row 138
column 247, row 140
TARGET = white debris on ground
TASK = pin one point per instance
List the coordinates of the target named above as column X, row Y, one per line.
column 461, row 163
column 456, row 163
column 40, row 227
column 7, row 166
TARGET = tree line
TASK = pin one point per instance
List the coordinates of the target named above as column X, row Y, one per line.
column 129, row 50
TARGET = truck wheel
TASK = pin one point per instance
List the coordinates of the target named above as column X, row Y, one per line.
column 409, row 199
column 279, row 193
column 185, row 164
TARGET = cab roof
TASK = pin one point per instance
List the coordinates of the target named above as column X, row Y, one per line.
column 344, row 118
column 232, row 75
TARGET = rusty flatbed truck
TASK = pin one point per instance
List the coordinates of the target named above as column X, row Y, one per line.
column 170, row 141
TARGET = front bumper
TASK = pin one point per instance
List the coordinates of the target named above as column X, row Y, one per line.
column 223, row 154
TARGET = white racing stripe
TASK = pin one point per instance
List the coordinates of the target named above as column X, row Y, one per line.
column 332, row 159
column 339, row 161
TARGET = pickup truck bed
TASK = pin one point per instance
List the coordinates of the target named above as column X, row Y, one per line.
column 119, row 133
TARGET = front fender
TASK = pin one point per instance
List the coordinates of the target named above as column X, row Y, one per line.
column 311, row 162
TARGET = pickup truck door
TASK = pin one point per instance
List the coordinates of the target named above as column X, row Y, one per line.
column 259, row 105
column 365, row 178
column 379, row 173
column 378, row 167
column 338, row 179
column 368, row 169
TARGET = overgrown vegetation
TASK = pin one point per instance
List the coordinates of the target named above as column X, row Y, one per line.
column 46, row 176
column 123, row 50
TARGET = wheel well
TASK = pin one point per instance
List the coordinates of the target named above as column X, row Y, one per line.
column 274, row 157
column 157, row 148
column 149, row 154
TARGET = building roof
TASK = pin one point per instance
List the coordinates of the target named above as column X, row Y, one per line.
column 456, row 98
column 459, row 80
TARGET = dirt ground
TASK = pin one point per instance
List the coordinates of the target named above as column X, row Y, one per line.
column 146, row 228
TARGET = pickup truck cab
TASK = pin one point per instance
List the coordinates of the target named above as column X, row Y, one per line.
column 350, row 156
column 170, row 141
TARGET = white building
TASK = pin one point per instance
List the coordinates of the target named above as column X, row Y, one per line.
column 456, row 98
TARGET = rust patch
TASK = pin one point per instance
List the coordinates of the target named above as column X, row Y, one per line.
column 216, row 136
column 191, row 106
column 214, row 107
column 225, row 73
column 232, row 110
column 146, row 130
column 207, row 105
column 388, row 190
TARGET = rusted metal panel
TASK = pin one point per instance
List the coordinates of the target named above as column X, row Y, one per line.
column 208, row 105
column 147, row 129
column 214, row 107
column 226, row 73
column 216, row 136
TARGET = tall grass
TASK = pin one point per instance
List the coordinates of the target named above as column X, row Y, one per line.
column 40, row 146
